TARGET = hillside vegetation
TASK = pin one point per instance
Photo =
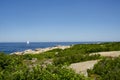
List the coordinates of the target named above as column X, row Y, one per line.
column 52, row 65
column 106, row 69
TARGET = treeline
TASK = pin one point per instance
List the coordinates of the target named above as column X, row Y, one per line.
column 106, row 69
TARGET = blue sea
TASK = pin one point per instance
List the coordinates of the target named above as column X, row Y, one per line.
column 11, row 47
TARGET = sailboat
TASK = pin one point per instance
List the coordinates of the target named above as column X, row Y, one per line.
column 28, row 42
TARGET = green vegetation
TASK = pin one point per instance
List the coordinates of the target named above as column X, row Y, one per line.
column 75, row 58
column 80, row 52
column 51, row 65
column 76, row 53
column 14, row 68
column 106, row 69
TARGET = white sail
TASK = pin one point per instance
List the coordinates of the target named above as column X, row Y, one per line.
column 28, row 42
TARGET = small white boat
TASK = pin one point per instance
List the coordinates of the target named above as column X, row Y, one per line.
column 28, row 42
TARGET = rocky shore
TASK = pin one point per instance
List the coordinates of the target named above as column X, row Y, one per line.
column 40, row 50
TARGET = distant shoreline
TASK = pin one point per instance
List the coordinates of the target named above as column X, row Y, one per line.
column 59, row 41
column 10, row 47
column 40, row 50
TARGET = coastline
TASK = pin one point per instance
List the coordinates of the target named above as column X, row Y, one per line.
column 39, row 50
column 12, row 47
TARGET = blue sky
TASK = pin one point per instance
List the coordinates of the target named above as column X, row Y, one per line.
column 59, row 20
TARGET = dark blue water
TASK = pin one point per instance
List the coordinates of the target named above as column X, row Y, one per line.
column 21, row 46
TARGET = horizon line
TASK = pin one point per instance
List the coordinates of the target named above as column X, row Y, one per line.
column 51, row 41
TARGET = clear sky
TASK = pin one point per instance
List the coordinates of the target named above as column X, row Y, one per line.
column 59, row 20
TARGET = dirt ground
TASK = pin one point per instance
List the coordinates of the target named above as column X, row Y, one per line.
column 82, row 67
column 108, row 54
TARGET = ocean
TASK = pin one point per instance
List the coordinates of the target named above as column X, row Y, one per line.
column 10, row 47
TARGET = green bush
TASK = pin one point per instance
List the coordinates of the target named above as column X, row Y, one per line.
column 107, row 69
